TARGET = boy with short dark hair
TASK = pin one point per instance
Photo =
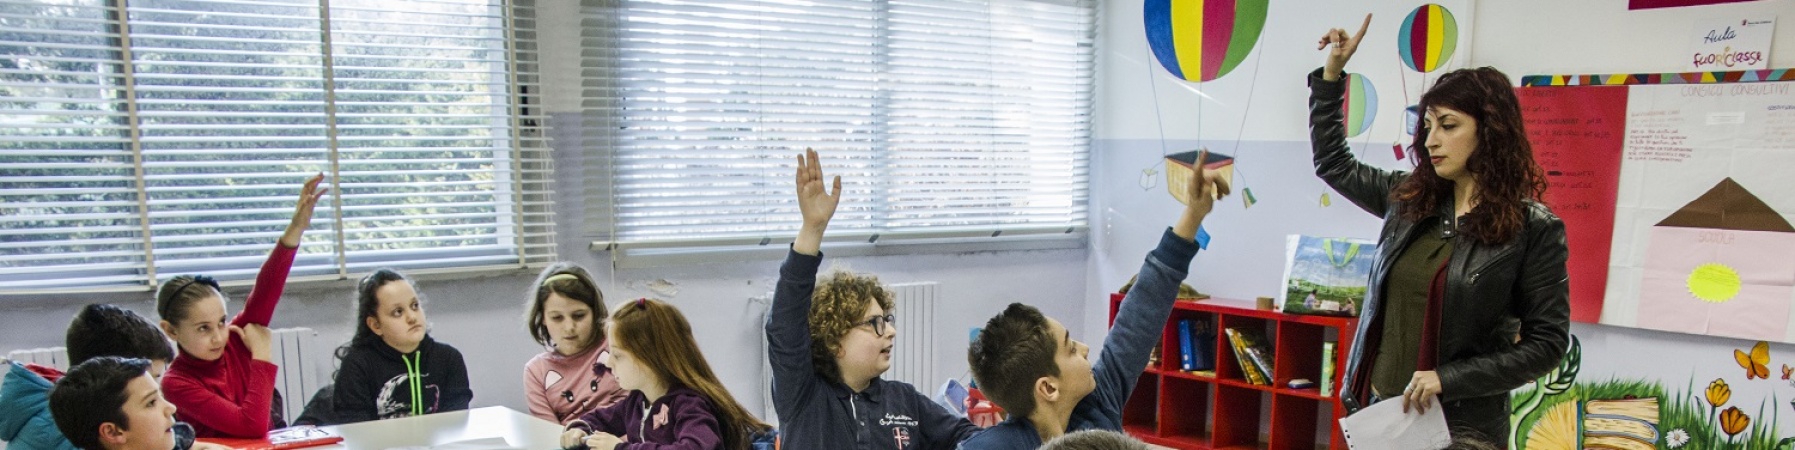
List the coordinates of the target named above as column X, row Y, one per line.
column 97, row 330
column 1029, row 365
column 112, row 403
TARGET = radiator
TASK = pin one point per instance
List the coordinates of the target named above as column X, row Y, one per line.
column 54, row 357
column 913, row 356
column 304, row 367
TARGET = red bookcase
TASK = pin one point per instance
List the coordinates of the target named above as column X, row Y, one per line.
column 1182, row 410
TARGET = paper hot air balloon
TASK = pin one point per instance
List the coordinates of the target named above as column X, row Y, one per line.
column 1427, row 38
column 1360, row 105
column 1202, row 40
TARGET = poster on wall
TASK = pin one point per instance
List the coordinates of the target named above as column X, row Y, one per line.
column 1702, row 219
column 1577, row 133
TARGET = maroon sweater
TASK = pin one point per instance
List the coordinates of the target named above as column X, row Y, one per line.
column 232, row 395
column 683, row 419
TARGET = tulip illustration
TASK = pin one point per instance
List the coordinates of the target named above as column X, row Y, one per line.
column 1733, row 421
column 1718, row 393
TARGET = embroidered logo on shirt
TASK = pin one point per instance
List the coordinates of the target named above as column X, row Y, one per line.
column 897, row 420
column 902, row 436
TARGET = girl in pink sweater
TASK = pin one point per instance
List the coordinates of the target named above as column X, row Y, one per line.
column 567, row 316
column 222, row 380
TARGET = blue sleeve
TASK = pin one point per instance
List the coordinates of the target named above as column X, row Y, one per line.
column 1141, row 320
column 788, row 333
column 943, row 429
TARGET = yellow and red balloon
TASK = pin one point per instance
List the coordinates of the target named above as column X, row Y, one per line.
column 1202, row 40
column 1427, row 38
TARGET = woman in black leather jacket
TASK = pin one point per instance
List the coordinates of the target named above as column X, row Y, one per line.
column 1466, row 247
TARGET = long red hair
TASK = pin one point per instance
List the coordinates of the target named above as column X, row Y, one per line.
column 659, row 336
column 1506, row 174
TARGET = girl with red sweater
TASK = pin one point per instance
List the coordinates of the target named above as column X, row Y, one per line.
column 222, row 380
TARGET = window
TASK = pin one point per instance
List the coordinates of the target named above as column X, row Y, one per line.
column 959, row 119
column 145, row 139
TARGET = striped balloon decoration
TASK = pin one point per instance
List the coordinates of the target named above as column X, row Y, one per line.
column 1202, row 40
column 1427, row 38
column 1360, row 106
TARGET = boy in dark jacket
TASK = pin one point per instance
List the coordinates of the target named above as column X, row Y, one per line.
column 1030, row 366
column 829, row 343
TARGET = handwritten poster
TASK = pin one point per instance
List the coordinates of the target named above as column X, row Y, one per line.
column 1577, row 134
column 1702, row 238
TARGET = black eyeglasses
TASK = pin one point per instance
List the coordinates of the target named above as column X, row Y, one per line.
column 878, row 323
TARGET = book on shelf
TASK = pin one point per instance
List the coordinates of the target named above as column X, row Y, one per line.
column 1327, row 368
column 1256, row 371
column 1186, row 360
column 1196, row 344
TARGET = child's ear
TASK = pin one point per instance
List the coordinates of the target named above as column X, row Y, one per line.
column 111, row 434
column 373, row 325
column 167, row 328
column 1047, row 389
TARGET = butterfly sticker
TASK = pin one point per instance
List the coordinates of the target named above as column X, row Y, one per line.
column 1787, row 371
column 1756, row 363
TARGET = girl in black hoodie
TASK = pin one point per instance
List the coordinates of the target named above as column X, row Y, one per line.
column 392, row 368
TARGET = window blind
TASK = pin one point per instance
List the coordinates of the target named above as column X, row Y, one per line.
column 946, row 119
column 163, row 137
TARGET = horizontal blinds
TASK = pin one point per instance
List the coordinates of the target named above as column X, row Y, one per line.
column 420, row 114
column 944, row 118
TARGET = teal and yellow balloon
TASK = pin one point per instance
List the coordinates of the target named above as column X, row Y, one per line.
column 1202, row 40
column 1360, row 106
column 1427, row 38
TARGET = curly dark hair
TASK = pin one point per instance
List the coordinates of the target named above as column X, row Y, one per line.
column 1506, row 173
column 840, row 299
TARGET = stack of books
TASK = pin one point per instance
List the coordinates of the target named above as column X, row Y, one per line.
column 1196, row 344
column 1252, row 353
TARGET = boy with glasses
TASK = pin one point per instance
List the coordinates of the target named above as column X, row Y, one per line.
column 828, row 343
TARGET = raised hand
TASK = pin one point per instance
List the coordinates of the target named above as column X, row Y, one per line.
column 302, row 214
column 816, row 201
column 1204, row 189
column 1344, row 47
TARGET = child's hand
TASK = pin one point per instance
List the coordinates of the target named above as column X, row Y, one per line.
column 571, row 438
column 207, row 446
column 1205, row 187
column 602, row 441
column 815, row 201
column 258, row 339
column 302, row 214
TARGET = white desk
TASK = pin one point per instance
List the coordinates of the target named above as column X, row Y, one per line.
column 519, row 429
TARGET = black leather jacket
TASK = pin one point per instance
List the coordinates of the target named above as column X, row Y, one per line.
column 1523, row 279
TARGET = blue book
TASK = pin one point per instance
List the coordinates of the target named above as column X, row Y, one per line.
column 1203, row 344
column 1188, row 360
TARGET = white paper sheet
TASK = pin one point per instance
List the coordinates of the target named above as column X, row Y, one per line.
column 1384, row 426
